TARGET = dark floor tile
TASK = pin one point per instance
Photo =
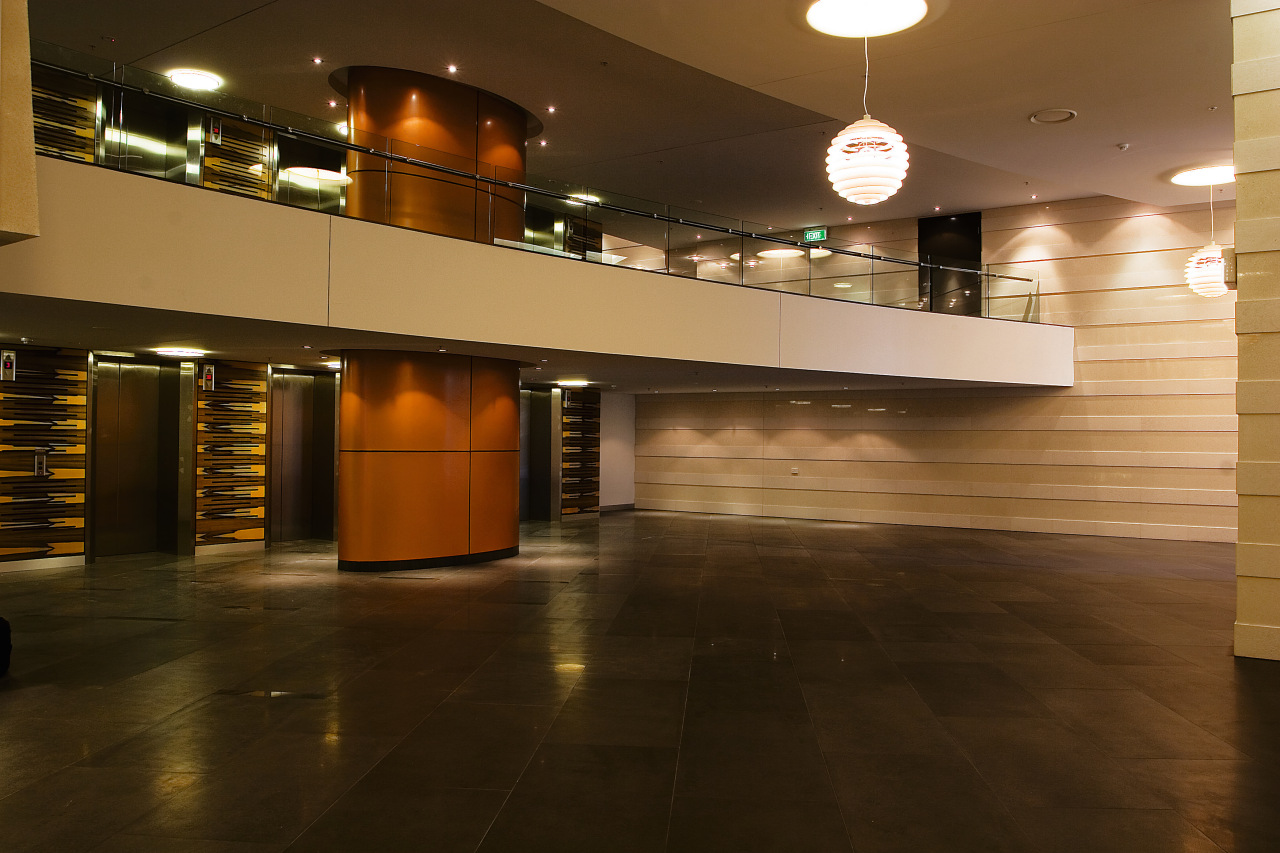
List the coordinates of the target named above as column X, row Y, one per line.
column 971, row 690
column 753, row 770
column 839, row 662
column 1112, row 831
column 79, row 807
column 391, row 811
column 1129, row 724
column 890, row 719
column 993, row 628
column 934, row 652
column 1035, row 665
column 468, row 745
column 646, row 658
column 1039, row 763
column 701, row 825
column 1234, row 803
column 269, row 792
column 151, row 844
column 822, row 625
column 588, row 798
column 1125, row 654
column 910, row 802
column 621, row 712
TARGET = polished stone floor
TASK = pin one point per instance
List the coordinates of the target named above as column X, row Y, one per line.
column 646, row 682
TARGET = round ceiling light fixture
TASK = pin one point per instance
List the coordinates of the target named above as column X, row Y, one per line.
column 814, row 254
column 1205, row 176
column 865, row 18
column 867, row 161
column 781, row 253
column 194, row 78
column 1052, row 115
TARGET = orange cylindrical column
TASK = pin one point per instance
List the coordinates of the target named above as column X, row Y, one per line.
column 429, row 460
column 438, row 121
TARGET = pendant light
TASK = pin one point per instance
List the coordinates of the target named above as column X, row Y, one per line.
column 868, row 159
column 1206, row 269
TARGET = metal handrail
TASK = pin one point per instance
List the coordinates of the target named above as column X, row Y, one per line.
column 516, row 185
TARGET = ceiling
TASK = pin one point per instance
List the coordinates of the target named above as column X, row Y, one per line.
column 719, row 107
column 728, row 108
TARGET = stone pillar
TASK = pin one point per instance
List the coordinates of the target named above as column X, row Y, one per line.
column 1256, row 89
column 429, row 460
column 439, row 121
column 19, row 207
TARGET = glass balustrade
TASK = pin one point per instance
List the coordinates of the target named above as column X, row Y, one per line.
column 119, row 117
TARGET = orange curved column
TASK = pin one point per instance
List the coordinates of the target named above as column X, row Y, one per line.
column 443, row 122
column 429, row 460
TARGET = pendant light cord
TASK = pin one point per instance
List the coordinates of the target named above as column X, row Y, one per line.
column 1211, row 228
column 866, row 76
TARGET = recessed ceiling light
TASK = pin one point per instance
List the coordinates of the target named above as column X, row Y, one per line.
column 113, row 353
column 819, row 253
column 551, row 109
column 342, row 128
column 180, row 352
column 542, row 142
column 333, row 103
column 573, row 383
column 1205, row 176
column 194, row 78
column 865, row 18
column 453, row 69
column 842, row 284
column 782, row 253
column 317, row 60
column 1052, row 115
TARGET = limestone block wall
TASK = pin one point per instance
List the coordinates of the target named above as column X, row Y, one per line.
column 1143, row 445
column 1256, row 85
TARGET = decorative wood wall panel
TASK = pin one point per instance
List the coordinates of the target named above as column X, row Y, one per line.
column 44, row 409
column 65, row 112
column 1144, row 445
column 231, row 455
column 580, row 451
column 239, row 163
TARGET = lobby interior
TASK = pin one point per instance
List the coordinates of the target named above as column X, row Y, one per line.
column 853, row 577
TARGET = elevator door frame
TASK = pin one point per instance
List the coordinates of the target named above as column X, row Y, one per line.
column 173, row 417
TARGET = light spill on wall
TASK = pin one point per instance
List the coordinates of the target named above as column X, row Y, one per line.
column 1144, row 445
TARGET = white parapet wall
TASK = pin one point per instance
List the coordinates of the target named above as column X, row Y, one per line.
column 128, row 240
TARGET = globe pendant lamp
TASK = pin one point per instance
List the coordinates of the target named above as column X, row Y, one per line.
column 868, row 159
column 1206, row 270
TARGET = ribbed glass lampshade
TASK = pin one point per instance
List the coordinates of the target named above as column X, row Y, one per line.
column 867, row 161
column 1206, row 272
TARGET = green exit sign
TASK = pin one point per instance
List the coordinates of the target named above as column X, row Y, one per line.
column 815, row 235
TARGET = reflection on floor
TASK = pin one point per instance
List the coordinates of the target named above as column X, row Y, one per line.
column 646, row 682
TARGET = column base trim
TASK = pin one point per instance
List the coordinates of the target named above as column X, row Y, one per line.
column 1257, row 641
column 425, row 562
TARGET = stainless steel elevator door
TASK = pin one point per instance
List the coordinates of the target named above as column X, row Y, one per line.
column 126, row 449
column 304, row 456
